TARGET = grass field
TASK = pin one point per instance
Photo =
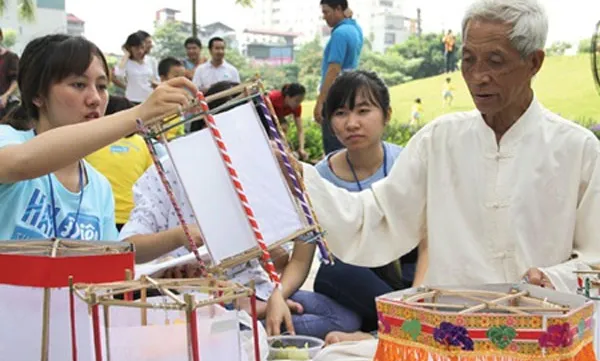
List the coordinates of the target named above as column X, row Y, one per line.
column 564, row 85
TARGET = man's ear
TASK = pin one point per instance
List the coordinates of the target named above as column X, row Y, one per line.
column 536, row 61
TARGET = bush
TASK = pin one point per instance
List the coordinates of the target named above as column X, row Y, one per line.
column 399, row 133
column 313, row 142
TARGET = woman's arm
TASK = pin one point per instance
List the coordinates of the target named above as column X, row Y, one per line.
column 59, row 147
column 300, row 131
column 120, row 68
column 297, row 269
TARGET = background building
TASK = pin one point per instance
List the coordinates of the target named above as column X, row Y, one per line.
column 75, row 26
column 384, row 22
column 50, row 17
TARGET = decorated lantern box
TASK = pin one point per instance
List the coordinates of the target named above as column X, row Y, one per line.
column 34, row 294
column 589, row 286
column 486, row 323
column 184, row 321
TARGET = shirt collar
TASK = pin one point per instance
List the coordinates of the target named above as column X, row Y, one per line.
column 514, row 134
column 345, row 21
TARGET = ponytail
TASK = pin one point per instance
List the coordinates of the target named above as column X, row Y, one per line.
column 18, row 118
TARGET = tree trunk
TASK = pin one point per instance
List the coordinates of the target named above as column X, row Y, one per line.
column 194, row 22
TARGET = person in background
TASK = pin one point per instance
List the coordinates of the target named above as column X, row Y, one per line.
column 147, row 39
column 288, row 101
column 342, row 53
column 358, row 107
column 122, row 163
column 448, row 93
column 170, row 68
column 217, row 69
column 9, row 66
column 193, row 50
column 47, row 189
column 137, row 69
column 449, row 41
column 416, row 113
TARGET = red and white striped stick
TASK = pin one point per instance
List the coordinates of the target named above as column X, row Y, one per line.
column 237, row 184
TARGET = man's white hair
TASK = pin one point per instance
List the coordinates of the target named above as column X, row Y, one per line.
column 527, row 18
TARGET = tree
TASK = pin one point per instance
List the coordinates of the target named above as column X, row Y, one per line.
column 429, row 49
column 558, row 48
column 26, row 9
column 169, row 40
column 585, row 46
column 244, row 3
column 10, row 38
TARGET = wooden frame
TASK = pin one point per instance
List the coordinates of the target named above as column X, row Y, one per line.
column 103, row 295
column 245, row 91
column 517, row 322
column 48, row 265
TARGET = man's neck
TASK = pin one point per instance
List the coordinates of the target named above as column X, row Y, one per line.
column 195, row 61
column 366, row 160
column 504, row 120
column 217, row 63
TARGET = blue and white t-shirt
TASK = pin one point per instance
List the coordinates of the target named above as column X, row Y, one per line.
column 392, row 152
column 26, row 206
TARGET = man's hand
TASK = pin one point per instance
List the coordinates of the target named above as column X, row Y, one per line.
column 318, row 112
column 537, row 278
column 303, row 154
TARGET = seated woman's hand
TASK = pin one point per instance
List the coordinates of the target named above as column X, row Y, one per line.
column 278, row 313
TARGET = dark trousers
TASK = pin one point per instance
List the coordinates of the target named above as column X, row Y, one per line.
column 357, row 287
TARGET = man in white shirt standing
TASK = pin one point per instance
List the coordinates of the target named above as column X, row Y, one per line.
column 506, row 192
column 217, row 69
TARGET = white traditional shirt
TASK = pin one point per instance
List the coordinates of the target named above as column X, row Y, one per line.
column 153, row 213
column 490, row 211
column 207, row 74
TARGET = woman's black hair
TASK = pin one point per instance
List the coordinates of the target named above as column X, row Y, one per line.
column 134, row 39
column 220, row 87
column 143, row 34
column 293, row 89
column 117, row 103
column 214, row 89
column 45, row 61
column 348, row 85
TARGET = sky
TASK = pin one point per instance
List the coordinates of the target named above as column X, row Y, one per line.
column 108, row 22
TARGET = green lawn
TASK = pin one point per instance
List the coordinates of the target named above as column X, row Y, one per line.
column 564, row 85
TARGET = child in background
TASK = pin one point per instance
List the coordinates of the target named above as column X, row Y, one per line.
column 122, row 163
column 417, row 113
column 447, row 93
column 170, row 68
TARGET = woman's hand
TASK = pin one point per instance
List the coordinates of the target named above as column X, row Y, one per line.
column 278, row 313
column 168, row 98
column 194, row 233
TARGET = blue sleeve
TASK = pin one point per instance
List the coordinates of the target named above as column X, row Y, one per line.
column 9, row 136
column 337, row 48
column 109, row 228
column 322, row 167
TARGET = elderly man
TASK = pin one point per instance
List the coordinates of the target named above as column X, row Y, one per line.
column 502, row 192
column 506, row 192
